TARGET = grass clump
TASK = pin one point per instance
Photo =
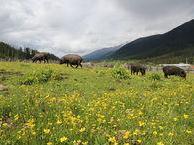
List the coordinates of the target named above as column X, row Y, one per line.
column 120, row 73
column 40, row 77
column 155, row 77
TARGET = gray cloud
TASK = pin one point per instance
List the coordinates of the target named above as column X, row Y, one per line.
column 74, row 26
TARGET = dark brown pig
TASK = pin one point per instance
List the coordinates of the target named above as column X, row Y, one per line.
column 71, row 59
column 138, row 68
column 42, row 56
column 174, row 70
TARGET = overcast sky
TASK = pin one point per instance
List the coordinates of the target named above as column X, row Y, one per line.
column 80, row 26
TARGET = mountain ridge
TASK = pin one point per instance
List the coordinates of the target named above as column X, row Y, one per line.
column 179, row 38
column 101, row 54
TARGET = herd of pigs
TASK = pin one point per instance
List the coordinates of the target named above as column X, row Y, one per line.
column 76, row 60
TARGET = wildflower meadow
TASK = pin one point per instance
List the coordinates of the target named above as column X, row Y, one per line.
column 51, row 104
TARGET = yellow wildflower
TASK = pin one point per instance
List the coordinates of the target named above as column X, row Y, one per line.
column 46, row 131
column 170, row 134
column 126, row 135
column 19, row 137
column 112, row 140
column 5, row 124
column 85, row 143
column 140, row 113
column 49, row 143
column 77, row 142
column 82, row 129
column 141, row 123
column 30, row 123
column 33, row 133
column 188, row 131
column 63, row 139
column 160, row 143
column 139, row 141
column 155, row 133
column 16, row 117
column 58, row 122
column 161, row 127
column 136, row 132
column 186, row 116
column 131, row 116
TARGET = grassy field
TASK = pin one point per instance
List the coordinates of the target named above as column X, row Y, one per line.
column 50, row 104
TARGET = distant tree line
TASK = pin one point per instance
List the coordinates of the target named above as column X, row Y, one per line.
column 169, row 60
column 7, row 52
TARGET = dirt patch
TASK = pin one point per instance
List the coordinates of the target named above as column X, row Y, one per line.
column 3, row 88
column 6, row 74
column 111, row 89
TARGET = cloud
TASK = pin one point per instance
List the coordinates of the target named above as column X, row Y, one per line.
column 74, row 26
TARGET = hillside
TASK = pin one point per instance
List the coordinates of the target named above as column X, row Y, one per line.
column 8, row 52
column 101, row 54
column 177, row 42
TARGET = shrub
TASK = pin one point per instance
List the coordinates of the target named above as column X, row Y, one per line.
column 36, row 77
column 44, row 76
column 27, row 80
column 120, row 73
column 57, row 76
column 155, row 77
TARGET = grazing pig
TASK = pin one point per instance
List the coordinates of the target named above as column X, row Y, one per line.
column 71, row 59
column 138, row 68
column 42, row 56
column 174, row 70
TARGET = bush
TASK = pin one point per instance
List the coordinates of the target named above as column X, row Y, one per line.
column 27, row 80
column 155, row 77
column 37, row 77
column 57, row 76
column 120, row 73
column 44, row 76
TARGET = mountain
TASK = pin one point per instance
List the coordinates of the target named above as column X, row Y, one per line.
column 101, row 54
column 178, row 42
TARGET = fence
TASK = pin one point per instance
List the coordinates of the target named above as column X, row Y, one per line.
column 187, row 68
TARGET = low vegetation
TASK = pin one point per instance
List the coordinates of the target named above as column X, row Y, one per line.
column 51, row 104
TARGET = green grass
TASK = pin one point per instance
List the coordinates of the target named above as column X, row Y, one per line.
column 53, row 104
